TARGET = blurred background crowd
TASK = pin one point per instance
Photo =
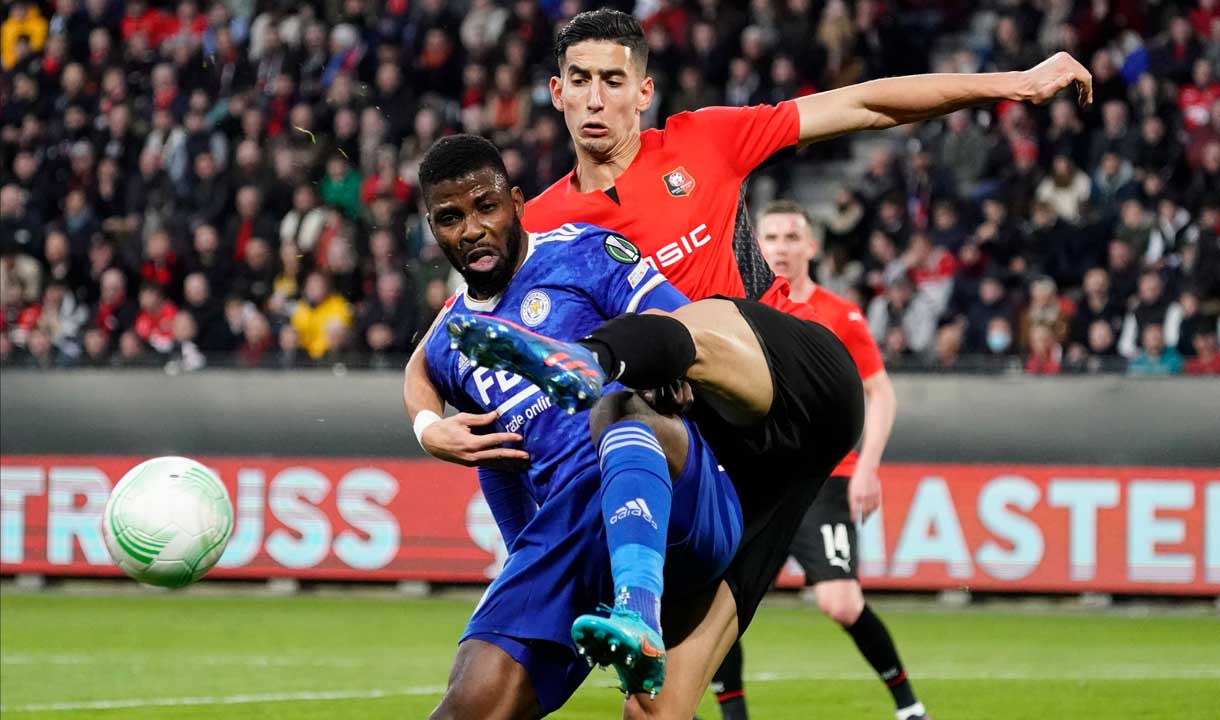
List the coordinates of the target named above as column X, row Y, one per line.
column 195, row 183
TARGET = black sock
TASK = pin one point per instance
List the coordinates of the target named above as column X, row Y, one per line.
column 728, row 686
column 643, row 351
column 877, row 647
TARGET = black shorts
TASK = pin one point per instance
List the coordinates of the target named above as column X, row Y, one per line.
column 825, row 543
column 779, row 465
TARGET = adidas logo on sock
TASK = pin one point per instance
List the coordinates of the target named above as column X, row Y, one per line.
column 634, row 508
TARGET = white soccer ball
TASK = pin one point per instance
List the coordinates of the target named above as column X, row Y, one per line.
column 168, row 521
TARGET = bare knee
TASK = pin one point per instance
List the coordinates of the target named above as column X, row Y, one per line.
column 620, row 406
column 841, row 601
column 485, row 683
column 611, row 408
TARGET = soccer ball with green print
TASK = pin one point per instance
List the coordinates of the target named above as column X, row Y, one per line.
column 168, row 521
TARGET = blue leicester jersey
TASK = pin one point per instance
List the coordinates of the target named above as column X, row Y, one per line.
column 574, row 278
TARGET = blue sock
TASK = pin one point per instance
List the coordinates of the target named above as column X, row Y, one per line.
column 636, row 496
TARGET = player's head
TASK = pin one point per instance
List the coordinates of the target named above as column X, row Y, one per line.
column 603, row 82
column 473, row 211
column 785, row 236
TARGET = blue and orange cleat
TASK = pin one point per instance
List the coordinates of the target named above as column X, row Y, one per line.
column 568, row 373
column 626, row 642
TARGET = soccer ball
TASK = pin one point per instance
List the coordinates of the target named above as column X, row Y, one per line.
column 168, row 521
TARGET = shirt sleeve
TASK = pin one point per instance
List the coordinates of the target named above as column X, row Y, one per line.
column 860, row 343
column 627, row 283
column 745, row 136
column 510, row 504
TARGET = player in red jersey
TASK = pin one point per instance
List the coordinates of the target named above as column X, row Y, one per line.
column 825, row 543
column 676, row 193
column 701, row 240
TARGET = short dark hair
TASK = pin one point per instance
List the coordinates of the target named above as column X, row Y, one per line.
column 603, row 24
column 454, row 156
column 785, row 207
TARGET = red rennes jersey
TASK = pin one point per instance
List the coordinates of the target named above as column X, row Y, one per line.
column 682, row 201
column 849, row 325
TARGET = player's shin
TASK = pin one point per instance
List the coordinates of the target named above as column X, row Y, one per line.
column 643, row 351
column 636, row 497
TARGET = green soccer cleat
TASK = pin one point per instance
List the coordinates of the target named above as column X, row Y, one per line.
column 624, row 641
column 566, row 372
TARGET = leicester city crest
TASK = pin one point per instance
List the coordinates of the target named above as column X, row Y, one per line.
column 535, row 307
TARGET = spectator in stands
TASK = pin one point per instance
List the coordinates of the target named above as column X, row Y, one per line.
column 1047, row 308
column 1112, row 180
column 184, row 355
column 1207, row 354
column 23, row 32
column 59, row 317
column 255, row 275
column 302, row 225
column 900, row 307
column 1065, row 135
column 1150, row 306
column 1099, row 353
column 210, row 332
column 1098, row 304
column 116, row 313
column 161, row 264
column 999, row 343
column 211, row 260
column 250, row 222
column 40, row 352
column 256, row 342
column 1155, row 358
column 1044, row 352
column 154, row 324
column 60, row 265
column 1066, row 189
column 341, row 187
column 964, row 149
column 1196, row 98
column 980, row 315
column 1115, row 135
column 96, row 349
column 320, row 316
column 947, row 352
column 1205, row 181
column 207, row 200
column 388, row 323
column 290, row 354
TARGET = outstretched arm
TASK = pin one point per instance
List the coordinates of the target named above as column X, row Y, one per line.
column 887, row 102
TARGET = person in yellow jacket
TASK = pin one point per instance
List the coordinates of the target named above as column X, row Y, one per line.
column 317, row 315
column 24, row 20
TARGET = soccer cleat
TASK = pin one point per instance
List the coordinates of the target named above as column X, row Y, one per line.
column 624, row 641
column 568, row 373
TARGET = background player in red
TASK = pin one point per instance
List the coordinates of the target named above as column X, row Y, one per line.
column 677, row 192
column 825, row 545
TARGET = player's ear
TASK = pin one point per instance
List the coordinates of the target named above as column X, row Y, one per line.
column 557, row 93
column 518, row 200
column 647, row 90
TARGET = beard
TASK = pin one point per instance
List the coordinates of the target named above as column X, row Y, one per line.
column 484, row 284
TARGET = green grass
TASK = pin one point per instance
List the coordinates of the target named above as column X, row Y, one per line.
column 969, row 664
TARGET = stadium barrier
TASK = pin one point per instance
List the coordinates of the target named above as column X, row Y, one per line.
column 992, row 527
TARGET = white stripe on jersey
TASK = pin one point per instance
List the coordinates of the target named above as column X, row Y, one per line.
column 652, row 282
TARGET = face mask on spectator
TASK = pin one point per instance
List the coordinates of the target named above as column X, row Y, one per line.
column 997, row 341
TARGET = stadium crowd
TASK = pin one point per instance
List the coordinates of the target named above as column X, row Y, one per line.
column 200, row 182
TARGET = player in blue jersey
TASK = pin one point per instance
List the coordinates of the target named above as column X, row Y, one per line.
column 595, row 517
